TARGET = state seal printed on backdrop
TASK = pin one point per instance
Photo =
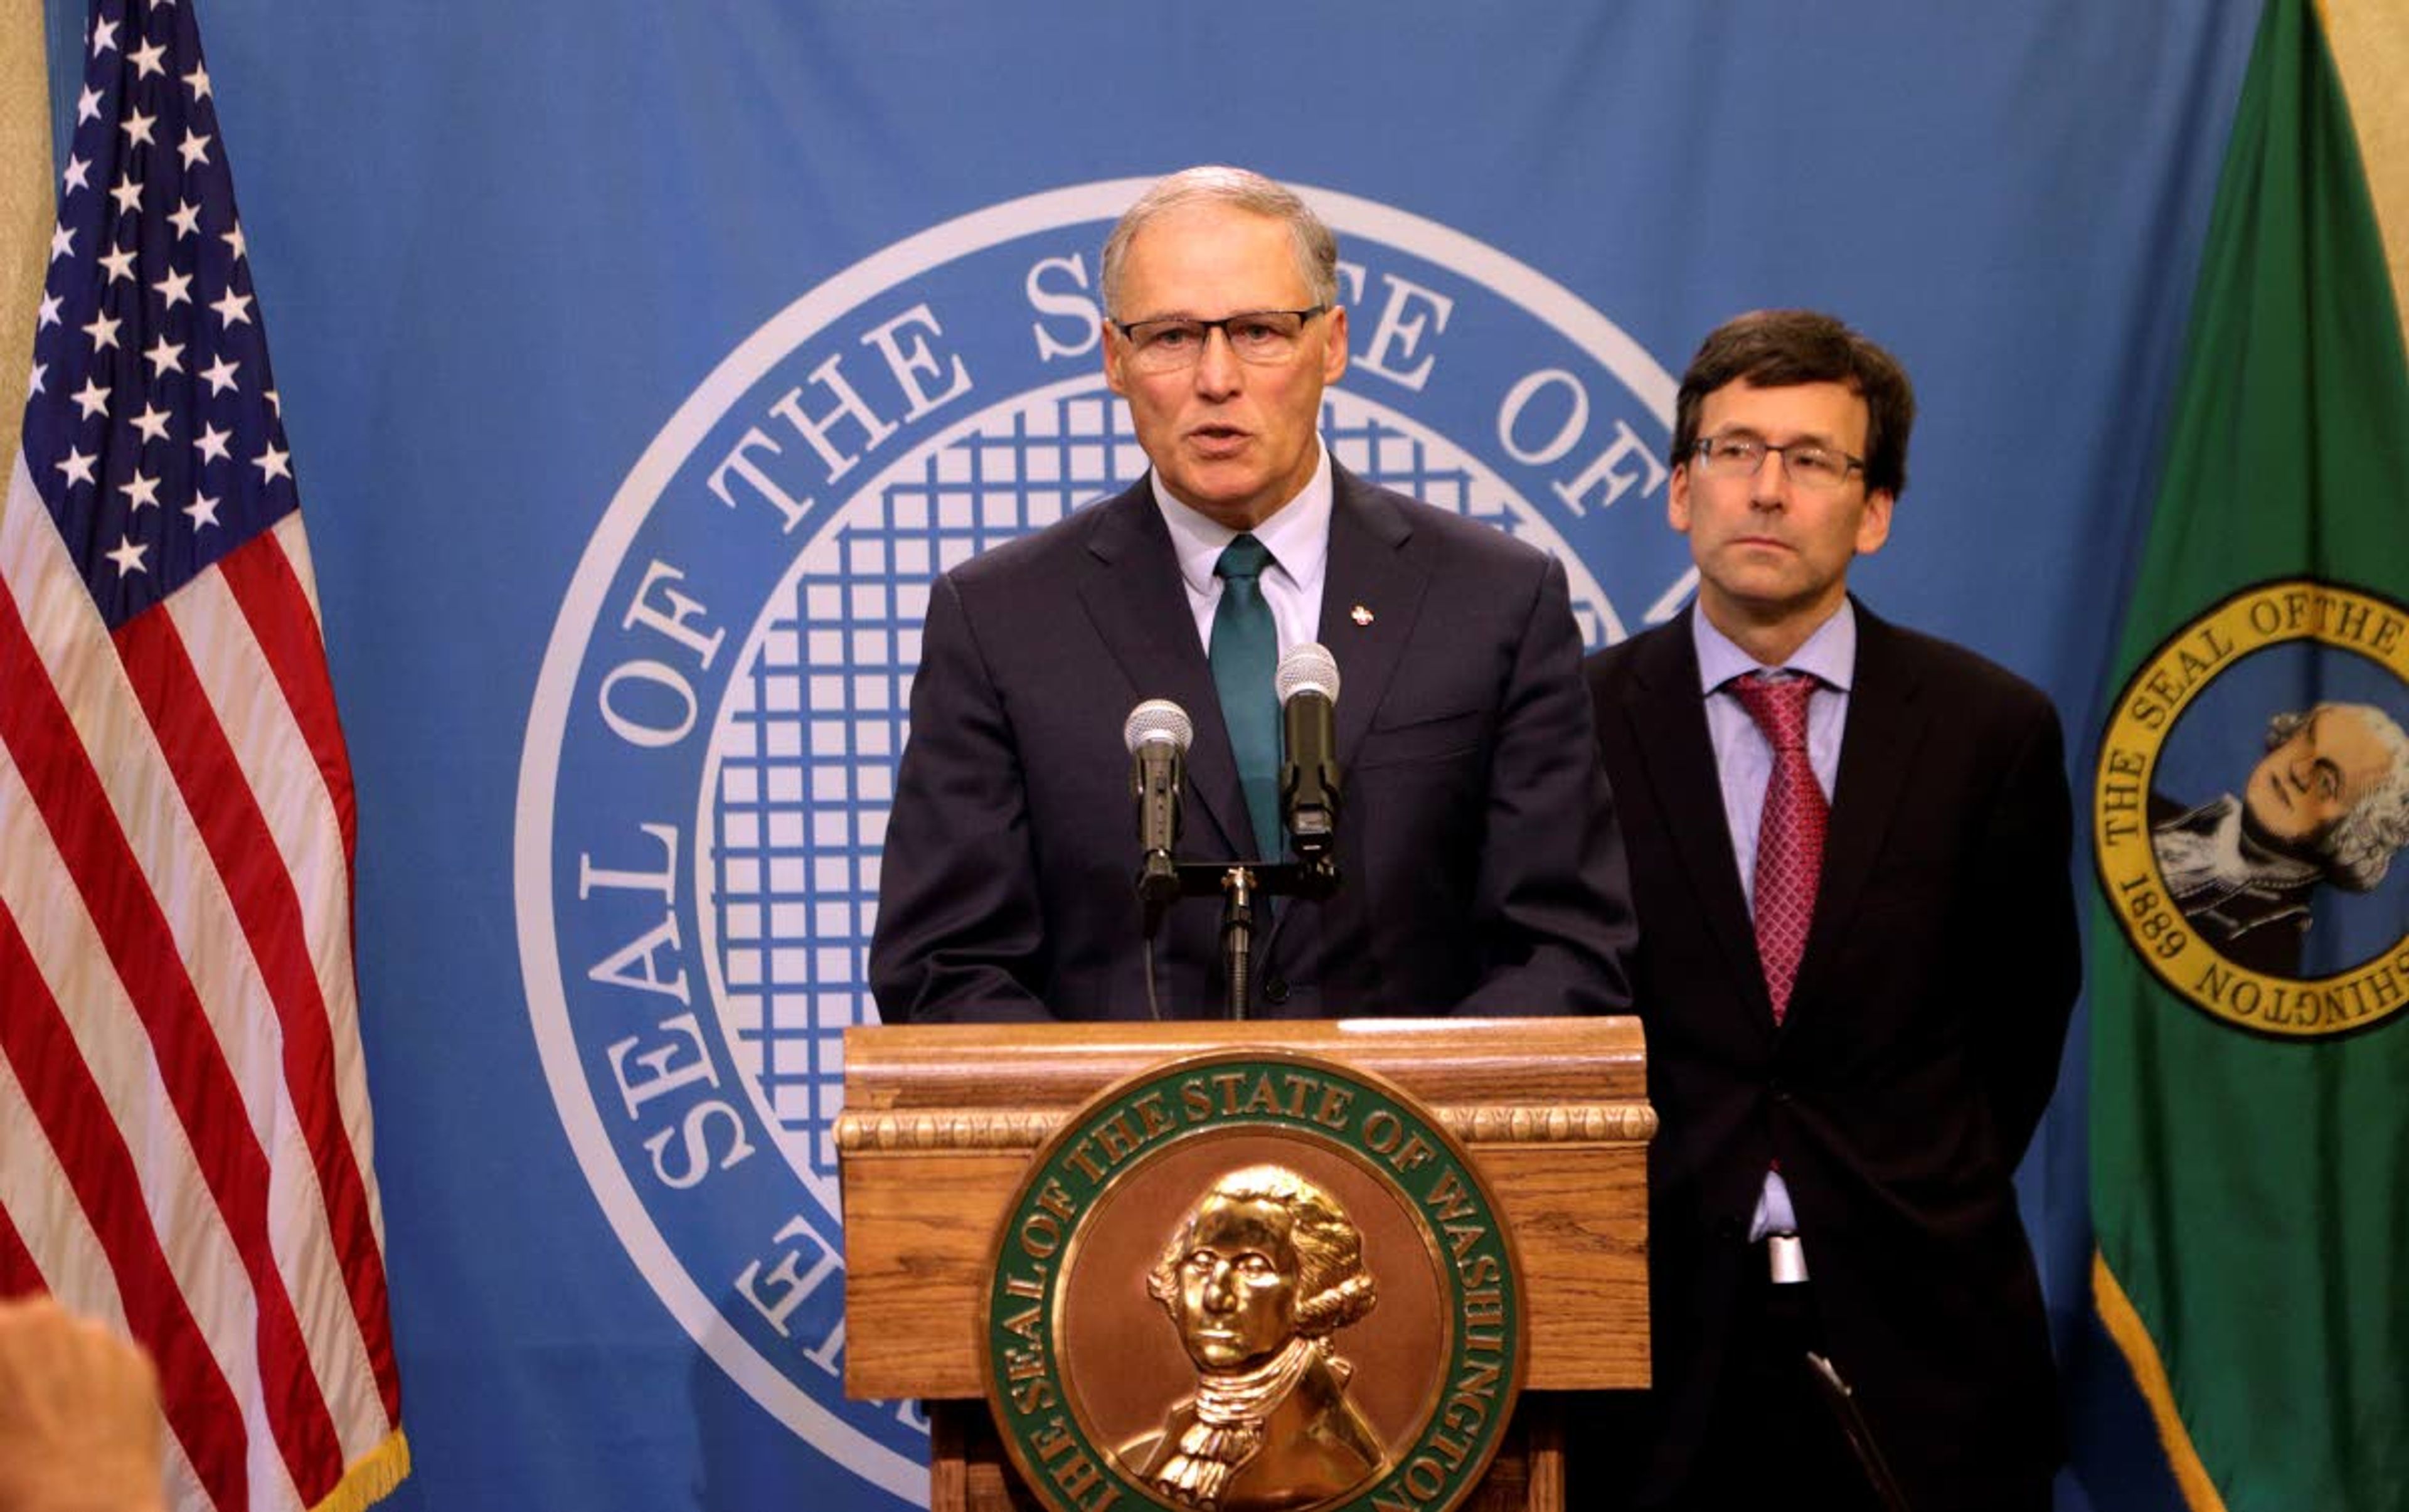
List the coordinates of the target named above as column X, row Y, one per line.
column 1252, row 1280
column 712, row 744
column 2251, row 803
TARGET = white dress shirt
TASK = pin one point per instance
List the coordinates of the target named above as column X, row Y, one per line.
column 1297, row 535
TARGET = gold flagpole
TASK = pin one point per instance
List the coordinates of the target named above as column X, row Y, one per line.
column 27, row 208
column 2372, row 53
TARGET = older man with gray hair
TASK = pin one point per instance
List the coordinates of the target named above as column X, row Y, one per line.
column 1481, row 869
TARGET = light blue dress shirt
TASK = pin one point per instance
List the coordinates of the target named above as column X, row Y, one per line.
column 1744, row 764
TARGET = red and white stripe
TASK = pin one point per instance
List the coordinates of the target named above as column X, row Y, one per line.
column 184, row 1131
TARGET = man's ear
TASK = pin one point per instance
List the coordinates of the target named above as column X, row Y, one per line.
column 1873, row 524
column 1116, row 353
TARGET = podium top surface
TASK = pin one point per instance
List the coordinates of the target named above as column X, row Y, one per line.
column 902, row 1068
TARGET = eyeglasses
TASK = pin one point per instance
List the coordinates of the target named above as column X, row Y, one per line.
column 1263, row 336
column 1807, row 465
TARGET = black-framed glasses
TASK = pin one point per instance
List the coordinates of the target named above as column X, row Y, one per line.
column 1263, row 336
column 1809, row 463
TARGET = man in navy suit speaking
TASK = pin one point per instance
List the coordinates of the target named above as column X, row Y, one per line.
column 1481, row 871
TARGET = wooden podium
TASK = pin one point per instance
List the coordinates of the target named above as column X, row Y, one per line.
column 941, row 1121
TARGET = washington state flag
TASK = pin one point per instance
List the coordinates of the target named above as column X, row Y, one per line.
column 2250, row 963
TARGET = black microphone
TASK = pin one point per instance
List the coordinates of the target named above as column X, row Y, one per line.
column 1307, row 680
column 1157, row 733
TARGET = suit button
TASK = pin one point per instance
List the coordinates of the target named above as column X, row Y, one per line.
column 1276, row 989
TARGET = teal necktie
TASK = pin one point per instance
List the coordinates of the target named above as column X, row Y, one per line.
column 1246, row 651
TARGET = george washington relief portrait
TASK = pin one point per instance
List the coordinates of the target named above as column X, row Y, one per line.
column 1258, row 1277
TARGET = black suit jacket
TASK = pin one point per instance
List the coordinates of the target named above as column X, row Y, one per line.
column 1918, row 1052
column 1482, row 869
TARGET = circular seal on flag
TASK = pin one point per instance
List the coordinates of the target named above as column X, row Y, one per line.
column 712, row 746
column 2251, row 801
column 1252, row 1280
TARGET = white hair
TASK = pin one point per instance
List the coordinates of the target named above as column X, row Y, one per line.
column 2359, row 848
column 1240, row 189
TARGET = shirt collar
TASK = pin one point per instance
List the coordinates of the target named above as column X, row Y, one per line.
column 1297, row 534
column 1829, row 655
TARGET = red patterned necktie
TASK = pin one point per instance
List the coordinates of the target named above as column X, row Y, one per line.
column 1790, row 839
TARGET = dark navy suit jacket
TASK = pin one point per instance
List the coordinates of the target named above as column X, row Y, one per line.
column 1481, row 868
column 1901, row 1089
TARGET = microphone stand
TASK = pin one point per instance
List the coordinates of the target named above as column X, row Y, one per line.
column 1238, row 885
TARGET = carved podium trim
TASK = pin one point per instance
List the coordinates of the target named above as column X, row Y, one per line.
column 1611, row 1123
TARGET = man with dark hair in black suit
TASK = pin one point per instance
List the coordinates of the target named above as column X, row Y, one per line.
column 1848, row 846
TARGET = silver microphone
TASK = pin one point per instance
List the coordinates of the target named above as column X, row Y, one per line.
column 1158, row 733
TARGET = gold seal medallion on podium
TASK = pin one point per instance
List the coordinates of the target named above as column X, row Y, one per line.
column 1253, row 1281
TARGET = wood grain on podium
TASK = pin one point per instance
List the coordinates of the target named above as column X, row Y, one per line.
column 939, row 1122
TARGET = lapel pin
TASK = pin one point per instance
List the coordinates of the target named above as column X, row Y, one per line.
column 1360, row 614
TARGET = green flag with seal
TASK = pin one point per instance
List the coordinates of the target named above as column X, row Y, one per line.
column 2250, row 967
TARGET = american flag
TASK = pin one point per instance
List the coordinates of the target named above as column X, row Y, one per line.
column 185, row 1133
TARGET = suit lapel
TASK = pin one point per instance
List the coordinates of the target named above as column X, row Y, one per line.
column 1667, row 719
column 1368, row 566
column 1888, row 720
column 1139, row 607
